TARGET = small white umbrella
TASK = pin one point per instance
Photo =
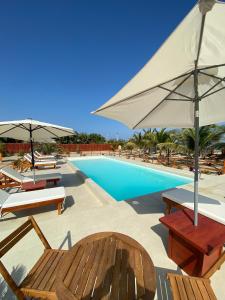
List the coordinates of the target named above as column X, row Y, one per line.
column 183, row 85
column 32, row 130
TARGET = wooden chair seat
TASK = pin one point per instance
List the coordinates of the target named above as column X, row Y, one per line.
column 193, row 288
column 40, row 281
column 41, row 278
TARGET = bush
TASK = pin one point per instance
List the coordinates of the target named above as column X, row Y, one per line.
column 130, row 146
column 47, row 148
column 21, row 153
column 3, row 149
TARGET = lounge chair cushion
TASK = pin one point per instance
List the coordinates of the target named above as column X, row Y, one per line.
column 3, row 197
column 13, row 174
column 39, row 163
column 43, row 155
column 208, row 207
column 45, row 177
column 23, row 198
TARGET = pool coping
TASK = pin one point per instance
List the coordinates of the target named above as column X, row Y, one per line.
column 98, row 191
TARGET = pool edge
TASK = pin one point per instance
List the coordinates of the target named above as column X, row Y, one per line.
column 104, row 197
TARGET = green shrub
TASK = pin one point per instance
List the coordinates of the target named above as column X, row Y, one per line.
column 47, row 148
column 3, row 149
column 130, row 146
column 21, row 153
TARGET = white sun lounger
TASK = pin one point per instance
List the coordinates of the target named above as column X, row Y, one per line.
column 43, row 163
column 180, row 198
column 14, row 178
column 26, row 200
column 40, row 156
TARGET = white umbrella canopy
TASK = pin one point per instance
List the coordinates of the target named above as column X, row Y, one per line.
column 183, row 84
column 41, row 131
column 32, row 130
column 162, row 92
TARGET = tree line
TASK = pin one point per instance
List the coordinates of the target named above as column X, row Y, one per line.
column 182, row 141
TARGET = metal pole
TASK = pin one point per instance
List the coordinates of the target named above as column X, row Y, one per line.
column 196, row 123
column 32, row 152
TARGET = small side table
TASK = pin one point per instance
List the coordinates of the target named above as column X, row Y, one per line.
column 31, row 186
column 193, row 248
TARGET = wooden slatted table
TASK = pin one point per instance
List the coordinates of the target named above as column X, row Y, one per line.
column 106, row 266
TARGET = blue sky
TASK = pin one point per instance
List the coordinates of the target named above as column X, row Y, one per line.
column 60, row 60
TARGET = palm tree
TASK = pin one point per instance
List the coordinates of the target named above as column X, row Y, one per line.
column 168, row 147
column 209, row 137
column 137, row 138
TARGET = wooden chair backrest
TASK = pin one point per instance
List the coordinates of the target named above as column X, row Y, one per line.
column 19, row 233
column 216, row 266
column 10, row 241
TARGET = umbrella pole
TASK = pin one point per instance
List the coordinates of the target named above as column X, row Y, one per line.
column 32, row 153
column 196, row 155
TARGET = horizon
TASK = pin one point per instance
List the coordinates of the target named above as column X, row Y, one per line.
column 61, row 61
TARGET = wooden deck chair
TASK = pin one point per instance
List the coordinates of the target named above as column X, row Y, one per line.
column 189, row 288
column 42, row 156
column 13, row 178
column 43, row 163
column 40, row 281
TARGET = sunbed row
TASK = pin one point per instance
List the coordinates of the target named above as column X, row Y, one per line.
column 41, row 161
column 10, row 202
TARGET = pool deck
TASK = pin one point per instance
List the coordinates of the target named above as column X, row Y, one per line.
column 85, row 214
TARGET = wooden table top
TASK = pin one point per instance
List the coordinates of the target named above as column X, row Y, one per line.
column 207, row 236
column 30, row 186
column 106, row 266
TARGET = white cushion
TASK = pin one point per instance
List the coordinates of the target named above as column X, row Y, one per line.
column 208, row 207
column 23, row 198
column 13, row 174
column 45, row 162
column 45, row 176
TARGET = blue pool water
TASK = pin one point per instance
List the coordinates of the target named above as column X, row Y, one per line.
column 124, row 180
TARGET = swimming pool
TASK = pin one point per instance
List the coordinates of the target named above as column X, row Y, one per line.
column 124, row 180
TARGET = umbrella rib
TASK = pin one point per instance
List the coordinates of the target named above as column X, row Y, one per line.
column 179, row 94
column 200, row 39
column 144, row 91
column 211, row 67
column 205, row 94
column 222, row 88
column 15, row 126
column 211, row 75
column 50, row 131
column 174, row 99
column 36, row 128
column 164, row 99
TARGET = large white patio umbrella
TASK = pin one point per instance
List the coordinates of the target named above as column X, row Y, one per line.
column 30, row 130
column 183, row 84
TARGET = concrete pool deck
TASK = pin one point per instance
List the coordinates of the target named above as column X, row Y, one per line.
column 85, row 214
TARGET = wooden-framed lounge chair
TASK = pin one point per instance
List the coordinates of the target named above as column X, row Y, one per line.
column 26, row 200
column 40, row 281
column 181, row 198
column 44, row 163
column 12, row 178
column 37, row 158
column 41, row 156
column 199, row 288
